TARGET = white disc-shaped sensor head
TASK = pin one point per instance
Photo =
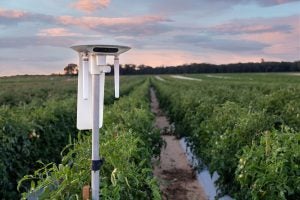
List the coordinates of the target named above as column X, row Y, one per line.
column 101, row 49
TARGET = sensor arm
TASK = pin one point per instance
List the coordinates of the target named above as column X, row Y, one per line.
column 85, row 77
column 117, row 77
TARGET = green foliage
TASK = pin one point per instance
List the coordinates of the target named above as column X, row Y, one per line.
column 20, row 90
column 127, row 142
column 230, row 128
column 224, row 118
column 37, row 122
column 29, row 134
column 270, row 169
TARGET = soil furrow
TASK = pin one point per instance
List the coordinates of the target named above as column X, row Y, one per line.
column 176, row 177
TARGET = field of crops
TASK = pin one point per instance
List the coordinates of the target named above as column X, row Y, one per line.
column 245, row 127
column 37, row 120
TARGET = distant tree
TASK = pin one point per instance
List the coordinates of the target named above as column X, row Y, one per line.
column 71, row 69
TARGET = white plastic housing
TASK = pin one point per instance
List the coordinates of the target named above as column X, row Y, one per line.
column 84, row 114
column 92, row 63
column 84, row 105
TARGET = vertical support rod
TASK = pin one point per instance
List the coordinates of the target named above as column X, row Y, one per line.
column 102, row 84
column 95, row 135
column 117, row 76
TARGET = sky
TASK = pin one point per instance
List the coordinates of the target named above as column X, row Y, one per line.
column 35, row 35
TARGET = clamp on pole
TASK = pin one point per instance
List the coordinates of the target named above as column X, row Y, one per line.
column 96, row 164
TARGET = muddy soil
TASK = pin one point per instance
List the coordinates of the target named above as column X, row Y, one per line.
column 176, row 177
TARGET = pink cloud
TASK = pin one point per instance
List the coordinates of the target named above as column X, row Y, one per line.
column 280, row 49
column 136, row 25
column 281, row 44
column 92, row 22
column 56, row 32
column 169, row 57
column 13, row 14
column 159, row 57
column 234, row 28
column 274, row 2
column 12, row 17
column 254, row 26
column 90, row 5
column 284, row 45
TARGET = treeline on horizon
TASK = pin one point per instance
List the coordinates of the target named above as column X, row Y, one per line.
column 131, row 69
column 262, row 67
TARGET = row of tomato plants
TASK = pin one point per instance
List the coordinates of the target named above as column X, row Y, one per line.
column 248, row 132
column 128, row 141
column 20, row 90
column 39, row 130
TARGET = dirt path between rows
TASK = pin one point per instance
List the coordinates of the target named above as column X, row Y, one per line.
column 176, row 178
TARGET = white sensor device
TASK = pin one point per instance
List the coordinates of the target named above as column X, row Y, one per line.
column 92, row 60
column 90, row 96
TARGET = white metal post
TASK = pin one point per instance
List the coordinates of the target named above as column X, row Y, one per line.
column 117, row 76
column 95, row 135
column 98, row 69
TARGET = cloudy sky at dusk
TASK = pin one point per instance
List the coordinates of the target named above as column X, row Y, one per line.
column 36, row 34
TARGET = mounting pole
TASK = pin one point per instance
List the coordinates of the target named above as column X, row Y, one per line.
column 98, row 68
column 95, row 136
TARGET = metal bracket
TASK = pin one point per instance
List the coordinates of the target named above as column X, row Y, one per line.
column 98, row 64
column 96, row 164
column 96, row 69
